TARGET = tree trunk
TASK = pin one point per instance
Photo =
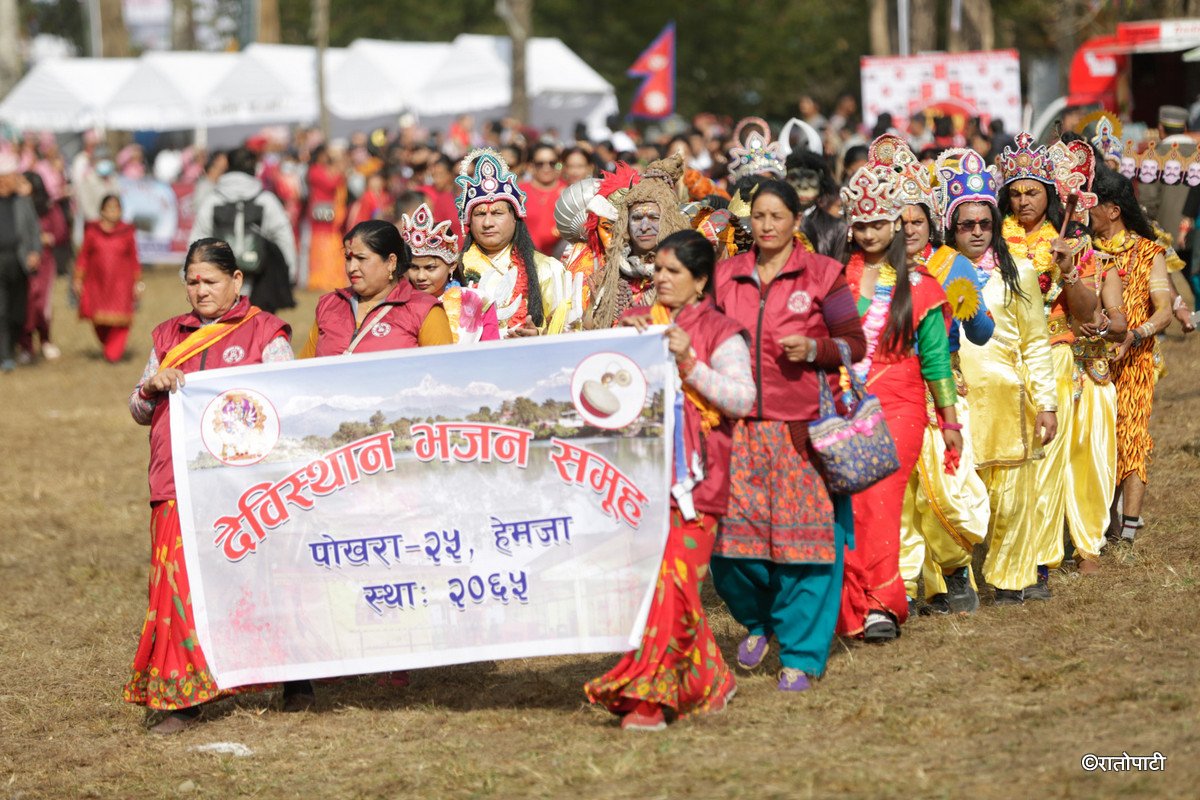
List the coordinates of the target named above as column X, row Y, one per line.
column 268, row 22
column 10, row 45
column 978, row 30
column 320, row 30
column 518, row 16
column 113, row 35
column 880, row 28
column 923, row 21
column 183, row 28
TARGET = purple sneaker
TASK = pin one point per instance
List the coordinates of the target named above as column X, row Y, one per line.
column 752, row 651
column 793, row 680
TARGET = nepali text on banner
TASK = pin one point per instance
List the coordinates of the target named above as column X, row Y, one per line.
column 423, row 507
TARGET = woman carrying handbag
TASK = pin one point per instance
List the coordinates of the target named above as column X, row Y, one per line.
column 905, row 320
column 777, row 562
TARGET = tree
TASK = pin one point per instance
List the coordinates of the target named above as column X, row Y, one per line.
column 518, row 17
column 377, row 421
column 183, row 26
column 268, row 22
column 10, row 45
column 114, row 37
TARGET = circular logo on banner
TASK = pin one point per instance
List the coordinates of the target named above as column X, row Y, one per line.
column 609, row 390
column 233, row 355
column 381, row 329
column 800, row 302
column 239, row 427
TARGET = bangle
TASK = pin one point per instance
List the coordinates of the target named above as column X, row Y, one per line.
column 949, row 426
column 1072, row 278
column 142, row 392
column 686, row 367
column 1178, row 304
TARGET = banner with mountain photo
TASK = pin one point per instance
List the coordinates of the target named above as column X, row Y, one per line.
column 389, row 511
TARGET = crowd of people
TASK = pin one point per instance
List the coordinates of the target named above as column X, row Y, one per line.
column 992, row 312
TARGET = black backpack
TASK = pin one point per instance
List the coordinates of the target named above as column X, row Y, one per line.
column 240, row 224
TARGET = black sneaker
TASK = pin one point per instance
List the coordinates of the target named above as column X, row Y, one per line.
column 1008, row 597
column 912, row 607
column 938, row 605
column 1041, row 589
column 880, row 628
column 960, row 594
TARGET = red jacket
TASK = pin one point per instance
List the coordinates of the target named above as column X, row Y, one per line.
column 539, row 215
column 405, row 310
column 708, row 329
column 792, row 304
column 242, row 347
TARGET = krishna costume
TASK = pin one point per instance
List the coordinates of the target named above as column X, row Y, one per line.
column 898, row 377
column 503, row 278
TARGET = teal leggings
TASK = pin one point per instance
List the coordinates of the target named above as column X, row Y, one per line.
column 798, row 603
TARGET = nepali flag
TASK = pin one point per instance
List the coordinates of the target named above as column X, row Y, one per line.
column 656, row 97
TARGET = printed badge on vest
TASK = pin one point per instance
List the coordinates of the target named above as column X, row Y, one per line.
column 233, row 355
column 381, row 329
column 800, row 302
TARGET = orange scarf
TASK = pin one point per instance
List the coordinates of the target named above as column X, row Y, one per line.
column 710, row 417
column 202, row 339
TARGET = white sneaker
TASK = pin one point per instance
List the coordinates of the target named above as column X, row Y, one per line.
column 24, row 358
column 50, row 351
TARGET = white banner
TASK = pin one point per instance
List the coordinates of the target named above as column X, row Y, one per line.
column 433, row 506
column 958, row 85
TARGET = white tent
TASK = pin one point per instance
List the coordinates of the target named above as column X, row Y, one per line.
column 295, row 66
column 167, row 91
column 476, row 78
column 380, row 78
column 65, row 95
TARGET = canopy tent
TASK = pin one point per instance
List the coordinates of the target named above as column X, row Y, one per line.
column 380, row 78
column 476, row 78
column 65, row 95
column 367, row 85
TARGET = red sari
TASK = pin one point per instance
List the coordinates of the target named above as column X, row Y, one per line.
column 679, row 665
column 872, row 579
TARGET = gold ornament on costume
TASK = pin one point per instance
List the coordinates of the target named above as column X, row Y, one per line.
column 914, row 186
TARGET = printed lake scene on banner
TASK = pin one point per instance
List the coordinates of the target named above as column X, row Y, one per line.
column 407, row 509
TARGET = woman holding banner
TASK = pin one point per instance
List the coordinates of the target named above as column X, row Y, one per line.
column 379, row 311
column 678, row 669
column 222, row 330
column 777, row 562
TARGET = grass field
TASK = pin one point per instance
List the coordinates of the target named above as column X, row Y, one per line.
column 1003, row 704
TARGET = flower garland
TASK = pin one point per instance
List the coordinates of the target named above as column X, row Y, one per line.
column 1118, row 247
column 1034, row 246
column 985, row 265
column 875, row 319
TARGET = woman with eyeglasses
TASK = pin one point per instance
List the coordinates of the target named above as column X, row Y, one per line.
column 1010, row 380
column 541, row 194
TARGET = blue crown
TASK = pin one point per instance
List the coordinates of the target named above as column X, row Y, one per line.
column 963, row 177
column 490, row 182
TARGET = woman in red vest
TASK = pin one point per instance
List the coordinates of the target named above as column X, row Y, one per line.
column 379, row 311
column 106, row 277
column 678, row 669
column 222, row 330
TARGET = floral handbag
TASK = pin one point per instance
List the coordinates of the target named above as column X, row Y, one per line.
column 856, row 451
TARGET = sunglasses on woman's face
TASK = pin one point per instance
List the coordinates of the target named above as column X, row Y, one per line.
column 544, row 163
column 968, row 225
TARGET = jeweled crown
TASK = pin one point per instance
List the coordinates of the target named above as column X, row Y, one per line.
column 871, row 195
column 489, row 182
column 426, row 238
column 755, row 153
column 1074, row 171
column 963, row 177
column 1028, row 161
column 915, row 187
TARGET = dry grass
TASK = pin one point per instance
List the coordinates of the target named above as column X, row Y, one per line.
column 1002, row 704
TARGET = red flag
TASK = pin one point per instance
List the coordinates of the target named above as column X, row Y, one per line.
column 655, row 99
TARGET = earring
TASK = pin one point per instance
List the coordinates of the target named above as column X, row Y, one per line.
column 849, row 235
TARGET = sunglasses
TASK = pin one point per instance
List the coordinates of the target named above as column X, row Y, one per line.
column 968, row 225
column 544, row 163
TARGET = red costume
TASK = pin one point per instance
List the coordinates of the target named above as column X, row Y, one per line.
column 539, row 215
column 393, row 325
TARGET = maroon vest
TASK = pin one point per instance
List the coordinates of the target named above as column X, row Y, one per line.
column 392, row 325
column 239, row 348
column 708, row 329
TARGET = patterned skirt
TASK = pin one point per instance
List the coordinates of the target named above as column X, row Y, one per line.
column 1135, row 376
column 169, row 669
column 678, row 665
column 779, row 508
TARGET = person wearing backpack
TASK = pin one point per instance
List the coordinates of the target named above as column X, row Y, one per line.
column 253, row 221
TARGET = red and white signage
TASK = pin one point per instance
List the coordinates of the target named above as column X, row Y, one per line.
column 978, row 84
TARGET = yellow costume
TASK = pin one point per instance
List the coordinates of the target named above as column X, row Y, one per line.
column 1011, row 379
column 498, row 280
column 944, row 516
